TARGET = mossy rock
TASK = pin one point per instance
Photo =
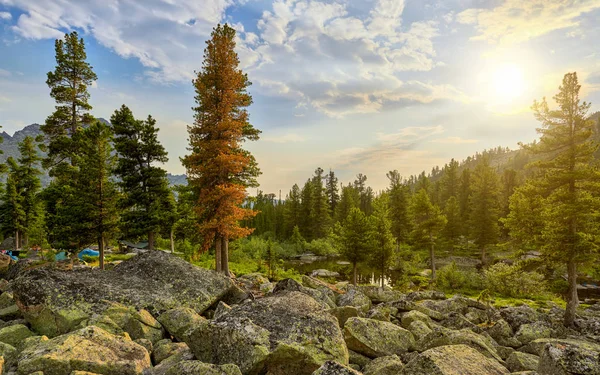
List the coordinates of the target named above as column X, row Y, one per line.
column 88, row 349
column 334, row 368
column 9, row 353
column 141, row 325
column 354, row 297
column 358, row 359
column 519, row 361
column 390, row 365
column 179, row 321
column 166, row 350
column 10, row 313
column 533, row 331
column 451, row 337
column 48, row 322
column 15, row 335
column 375, row 338
column 6, row 300
column 343, row 313
column 453, row 360
column 414, row 315
column 570, row 357
column 200, row 368
column 419, row 329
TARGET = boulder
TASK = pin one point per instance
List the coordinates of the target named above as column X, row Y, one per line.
column 154, row 281
column 15, row 335
column 334, row 368
column 142, row 325
column 292, row 285
column 381, row 312
column 519, row 361
column 284, row 333
column 354, row 297
column 168, row 363
column 380, row 295
column 344, row 313
column 391, row 365
column 375, row 338
column 425, row 294
column 446, row 337
column 5, row 262
column 180, row 320
column 453, row 360
column 9, row 353
column 519, row 315
column 252, row 280
column 222, row 308
column 419, row 329
column 570, row 357
column 200, row 368
column 6, row 300
column 166, row 350
column 324, row 273
column 10, row 313
column 532, row 331
column 405, row 306
column 88, row 349
column 147, row 344
column 411, row 316
column 358, row 359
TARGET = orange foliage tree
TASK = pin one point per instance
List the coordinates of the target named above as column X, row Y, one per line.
column 218, row 168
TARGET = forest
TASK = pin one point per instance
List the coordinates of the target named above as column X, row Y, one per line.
column 529, row 217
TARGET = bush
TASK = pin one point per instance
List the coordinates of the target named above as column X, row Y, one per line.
column 322, row 246
column 512, row 281
column 451, row 278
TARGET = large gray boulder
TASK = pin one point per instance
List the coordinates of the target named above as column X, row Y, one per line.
column 285, row 333
column 390, row 365
column 466, row 337
column 519, row 361
column 334, row 368
column 453, row 360
column 154, row 281
column 354, row 297
column 200, row 368
column 570, row 357
column 375, row 338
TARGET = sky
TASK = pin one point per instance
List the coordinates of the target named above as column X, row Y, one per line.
column 357, row 86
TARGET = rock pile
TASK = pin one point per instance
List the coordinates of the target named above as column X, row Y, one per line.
column 157, row 315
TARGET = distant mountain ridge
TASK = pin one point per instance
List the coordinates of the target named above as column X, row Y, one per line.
column 10, row 147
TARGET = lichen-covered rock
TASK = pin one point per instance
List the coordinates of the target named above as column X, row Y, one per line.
column 334, row 368
column 15, row 335
column 9, row 353
column 382, row 312
column 142, row 325
column 519, row 315
column 411, row 316
column 391, row 365
column 456, row 320
column 453, row 360
column 419, row 329
column 343, row 313
column 154, row 281
column 405, row 306
column 532, row 331
column 88, row 349
column 167, row 349
column 6, row 300
column 375, row 338
column 200, row 368
column 33, row 340
column 10, row 313
column 358, row 359
column 252, row 280
column 536, row 347
column 380, row 295
column 147, row 344
column 291, row 285
column 222, row 309
column 570, row 357
column 184, row 354
column 465, row 336
column 180, row 320
column 425, row 295
column 519, row 361
column 285, row 333
column 354, row 297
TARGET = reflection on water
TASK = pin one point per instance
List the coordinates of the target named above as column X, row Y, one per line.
column 366, row 275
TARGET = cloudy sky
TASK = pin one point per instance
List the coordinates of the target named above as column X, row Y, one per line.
column 354, row 85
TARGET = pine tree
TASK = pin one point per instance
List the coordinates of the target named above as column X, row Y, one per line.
column 453, row 226
column 348, row 201
column 218, row 167
column 569, row 184
column 68, row 87
column 509, row 183
column 292, row 211
column 306, row 208
column 365, row 194
column 525, row 221
column 484, row 207
column 464, row 195
column 333, row 195
column 29, row 185
column 12, row 214
column 356, row 240
column 450, row 181
column 382, row 238
column 398, row 207
column 428, row 222
column 319, row 214
column 145, row 201
column 96, row 192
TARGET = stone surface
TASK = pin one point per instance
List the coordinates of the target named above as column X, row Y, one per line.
column 334, row 368
column 375, row 338
column 453, row 360
column 15, row 335
column 166, row 350
column 344, row 313
column 532, row 331
column 291, row 285
column 570, row 357
column 200, row 368
column 354, row 297
column 154, row 281
column 411, row 316
column 88, row 349
column 465, row 336
column 391, row 365
column 519, row 361
column 180, row 320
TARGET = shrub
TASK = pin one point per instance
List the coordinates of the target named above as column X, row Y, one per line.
column 512, row 281
column 322, row 246
column 451, row 278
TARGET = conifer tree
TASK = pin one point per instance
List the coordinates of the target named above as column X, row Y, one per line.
column 292, row 211
column 349, row 199
column 146, row 200
column 218, row 168
column 333, row 195
column 453, row 226
column 356, row 240
column 525, row 221
column 428, row 222
column 12, row 214
column 398, row 207
column 568, row 183
column 484, row 207
column 29, row 185
column 463, row 198
column 306, row 209
column 382, row 238
column 96, row 192
column 450, row 181
column 320, row 221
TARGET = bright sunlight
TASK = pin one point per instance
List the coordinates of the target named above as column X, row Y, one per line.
column 507, row 82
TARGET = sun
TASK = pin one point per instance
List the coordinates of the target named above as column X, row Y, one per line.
column 507, row 82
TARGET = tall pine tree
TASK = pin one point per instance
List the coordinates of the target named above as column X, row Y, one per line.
column 484, row 206
column 356, row 241
column 398, row 207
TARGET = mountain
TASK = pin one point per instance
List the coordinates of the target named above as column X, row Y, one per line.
column 10, row 147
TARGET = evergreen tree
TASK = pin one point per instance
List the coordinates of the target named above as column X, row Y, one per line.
column 382, row 238
column 356, row 240
column 218, row 167
column 333, row 195
column 450, row 181
column 484, row 207
column 306, row 208
column 423, row 183
column 569, row 184
column 464, row 195
column 398, row 207
column 320, row 221
column 509, row 183
column 146, row 197
column 292, row 215
column 525, row 221
column 12, row 214
column 68, row 87
column 96, row 192
column 365, row 194
column 348, row 201
column 428, row 222
column 29, row 186
column 453, row 226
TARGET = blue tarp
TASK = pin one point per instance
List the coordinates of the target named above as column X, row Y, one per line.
column 61, row 256
column 9, row 253
column 88, row 252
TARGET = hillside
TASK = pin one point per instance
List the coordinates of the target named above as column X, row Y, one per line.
column 10, row 147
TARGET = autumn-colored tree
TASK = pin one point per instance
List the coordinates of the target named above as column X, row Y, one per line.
column 218, row 168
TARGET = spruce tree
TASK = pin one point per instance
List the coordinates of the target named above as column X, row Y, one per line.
column 525, row 221
column 320, row 221
column 356, row 241
column 218, row 168
column 398, row 207
column 306, row 208
column 428, row 222
column 333, row 195
column 450, row 181
column 484, row 207
column 96, row 192
column 568, row 183
column 146, row 200
column 12, row 214
column 382, row 238
column 349, row 199
column 29, row 185
column 292, row 211
column 453, row 226
column 464, row 195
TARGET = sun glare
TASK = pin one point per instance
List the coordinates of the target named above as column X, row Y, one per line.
column 508, row 82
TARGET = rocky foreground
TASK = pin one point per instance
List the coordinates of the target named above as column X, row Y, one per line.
column 158, row 315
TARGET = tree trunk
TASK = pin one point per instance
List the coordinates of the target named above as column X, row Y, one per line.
column 382, row 274
column 172, row 239
column 225, row 256
column 101, row 250
column 572, row 297
column 483, row 256
column 151, row 240
column 218, row 254
column 16, row 240
column 24, row 240
column 432, row 257
column 354, row 274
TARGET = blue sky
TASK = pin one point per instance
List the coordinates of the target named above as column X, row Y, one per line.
column 359, row 86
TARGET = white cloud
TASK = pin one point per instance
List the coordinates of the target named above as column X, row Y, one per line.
column 5, row 16
column 409, row 134
column 455, row 140
column 515, row 21
column 4, row 73
column 285, row 138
